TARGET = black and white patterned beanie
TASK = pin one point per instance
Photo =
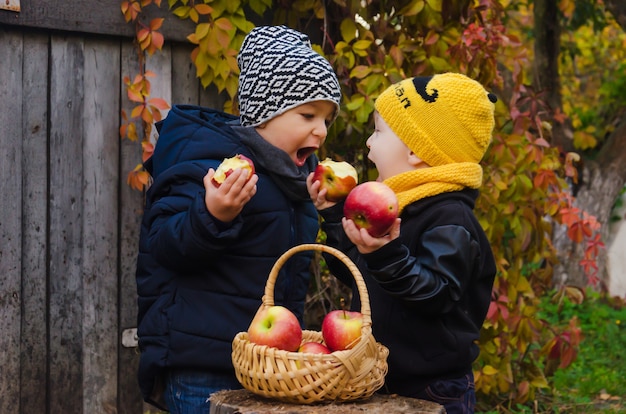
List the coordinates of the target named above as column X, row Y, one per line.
column 278, row 71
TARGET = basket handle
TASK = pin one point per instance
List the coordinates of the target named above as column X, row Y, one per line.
column 268, row 297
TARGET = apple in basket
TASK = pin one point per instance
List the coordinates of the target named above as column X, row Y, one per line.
column 228, row 165
column 373, row 206
column 341, row 329
column 337, row 177
column 314, row 348
column 276, row 326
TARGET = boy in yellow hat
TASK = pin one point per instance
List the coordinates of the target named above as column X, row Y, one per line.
column 430, row 279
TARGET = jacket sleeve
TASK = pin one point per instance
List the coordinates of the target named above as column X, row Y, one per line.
column 434, row 277
column 181, row 230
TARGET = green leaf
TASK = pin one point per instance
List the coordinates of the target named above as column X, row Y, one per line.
column 355, row 102
column 413, row 8
column 439, row 64
column 348, row 30
column 436, row 5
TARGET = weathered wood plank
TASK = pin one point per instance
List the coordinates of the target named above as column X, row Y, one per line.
column 185, row 84
column 34, row 230
column 66, row 218
column 210, row 98
column 244, row 402
column 131, row 211
column 11, row 50
column 88, row 16
column 100, row 229
column 161, row 64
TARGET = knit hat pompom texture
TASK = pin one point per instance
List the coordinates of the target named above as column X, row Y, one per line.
column 447, row 118
column 279, row 71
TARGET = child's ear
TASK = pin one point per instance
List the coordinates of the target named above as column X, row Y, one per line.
column 413, row 159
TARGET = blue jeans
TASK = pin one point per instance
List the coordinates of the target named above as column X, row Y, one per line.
column 458, row 395
column 188, row 391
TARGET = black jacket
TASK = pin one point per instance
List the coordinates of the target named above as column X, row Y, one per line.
column 429, row 289
column 199, row 281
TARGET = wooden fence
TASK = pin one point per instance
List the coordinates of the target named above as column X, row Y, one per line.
column 68, row 221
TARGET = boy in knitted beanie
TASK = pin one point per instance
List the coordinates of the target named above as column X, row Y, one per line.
column 430, row 279
column 205, row 251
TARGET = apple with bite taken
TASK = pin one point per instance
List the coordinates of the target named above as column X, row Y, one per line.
column 314, row 348
column 337, row 177
column 373, row 206
column 276, row 326
column 228, row 165
column 341, row 329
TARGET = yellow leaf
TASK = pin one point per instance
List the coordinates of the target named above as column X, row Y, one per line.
column 136, row 112
column 182, row 12
column 489, row 370
column 134, row 96
column 436, row 5
column 584, row 140
column 348, row 30
column 362, row 44
column 202, row 63
column 132, row 132
column 413, row 8
column 193, row 38
column 202, row 30
column 360, row 71
column 137, row 179
column 146, row 115
column 523, row 285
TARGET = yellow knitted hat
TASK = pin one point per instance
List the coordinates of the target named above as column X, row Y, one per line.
column 443, row 119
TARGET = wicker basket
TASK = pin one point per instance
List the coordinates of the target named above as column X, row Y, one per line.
column 306, row 378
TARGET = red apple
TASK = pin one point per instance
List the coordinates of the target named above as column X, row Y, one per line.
column 373, row 206
column 314, row 348
column 229, row 165
column 337, row 177
column 341, row 329
column 276, row 326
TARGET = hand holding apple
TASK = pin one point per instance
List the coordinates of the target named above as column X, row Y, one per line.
column 338, row 178
column 373, row 206
column 341, row 329
column 228, row 165
column 276, row 326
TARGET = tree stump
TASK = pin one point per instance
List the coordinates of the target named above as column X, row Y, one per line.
column 245, row 402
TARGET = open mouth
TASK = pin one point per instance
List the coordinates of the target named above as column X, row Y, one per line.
column 303, row 154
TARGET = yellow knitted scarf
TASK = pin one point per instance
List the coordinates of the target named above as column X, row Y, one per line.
column 417, row 184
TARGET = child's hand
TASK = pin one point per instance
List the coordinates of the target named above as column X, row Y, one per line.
column 362, row 239
column 226, row 201
column 318, row 197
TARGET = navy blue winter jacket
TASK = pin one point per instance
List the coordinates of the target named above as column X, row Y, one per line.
column 200, row 281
